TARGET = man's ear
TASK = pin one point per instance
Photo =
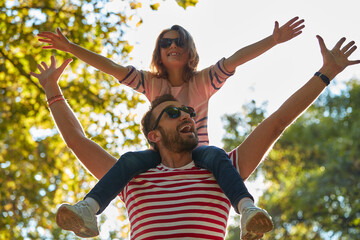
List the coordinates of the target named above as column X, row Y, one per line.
column 154, row 136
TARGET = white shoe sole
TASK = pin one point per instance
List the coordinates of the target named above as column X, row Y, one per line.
column 69, row 220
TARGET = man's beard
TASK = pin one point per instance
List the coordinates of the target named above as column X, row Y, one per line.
column 175, row 143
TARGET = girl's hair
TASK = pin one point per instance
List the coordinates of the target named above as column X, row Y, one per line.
column 156, row 66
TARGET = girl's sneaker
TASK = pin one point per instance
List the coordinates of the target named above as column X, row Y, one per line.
column 77, row 218
column 254, row 223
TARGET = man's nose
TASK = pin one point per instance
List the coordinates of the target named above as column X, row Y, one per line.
column 184, row 115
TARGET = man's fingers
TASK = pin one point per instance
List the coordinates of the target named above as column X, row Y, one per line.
column 53, row 62
column 353, row 62
column 40, row 68
column 45, row 66
column 339, row 43
column 34, row 74
column 347, row 47
column 348, row 53
column 65, row 64
column 321, row 43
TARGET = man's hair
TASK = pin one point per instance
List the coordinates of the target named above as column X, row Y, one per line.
column 156, row 66
column 148, row 120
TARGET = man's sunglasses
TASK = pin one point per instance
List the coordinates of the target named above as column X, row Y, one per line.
column 174, row 112
column 166, row 42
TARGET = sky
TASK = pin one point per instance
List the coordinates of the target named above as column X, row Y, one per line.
column 220, row 28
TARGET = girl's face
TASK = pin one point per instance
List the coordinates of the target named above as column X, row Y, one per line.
column 173, row 56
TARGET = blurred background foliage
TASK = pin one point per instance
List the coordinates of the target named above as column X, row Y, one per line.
column 37, row 170
column 311, row 177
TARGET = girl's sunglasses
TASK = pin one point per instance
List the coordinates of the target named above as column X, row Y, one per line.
column 174, row 112
column 166, row 42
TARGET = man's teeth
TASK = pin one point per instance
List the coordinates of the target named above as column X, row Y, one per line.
column 185, row 129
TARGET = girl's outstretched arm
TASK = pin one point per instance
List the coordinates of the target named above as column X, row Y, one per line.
column 281, row 34
column 260, row 141
column 60, row 42
column 95, row 158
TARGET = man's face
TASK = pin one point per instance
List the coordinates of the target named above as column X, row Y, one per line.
column 177, row 134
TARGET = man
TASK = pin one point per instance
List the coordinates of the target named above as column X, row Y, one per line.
column 202, row 216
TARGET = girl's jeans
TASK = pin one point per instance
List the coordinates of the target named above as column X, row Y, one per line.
column 131, row 164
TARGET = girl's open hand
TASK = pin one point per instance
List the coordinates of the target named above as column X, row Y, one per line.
column 55, row 40
column 288, row 31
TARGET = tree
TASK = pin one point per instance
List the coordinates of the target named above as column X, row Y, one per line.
column 312, row 173
column 38, row 171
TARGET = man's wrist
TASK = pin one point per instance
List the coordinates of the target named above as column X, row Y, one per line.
column 52, row 90
column 323, row 77
column 328, row 72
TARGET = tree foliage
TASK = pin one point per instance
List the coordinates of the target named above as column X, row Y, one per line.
column 312, row 174
column 37, row 170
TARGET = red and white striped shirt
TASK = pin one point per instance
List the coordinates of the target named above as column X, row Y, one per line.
column 177, row 203
column 195, row 93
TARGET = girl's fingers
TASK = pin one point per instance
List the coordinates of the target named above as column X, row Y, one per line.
column 297, row 23
column 49, row 35
column 291, row 21
column 48, row 47
column 34, row 74
column 298, row 28
column 45, row 40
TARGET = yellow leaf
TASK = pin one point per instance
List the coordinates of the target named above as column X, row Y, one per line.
column 155, row 6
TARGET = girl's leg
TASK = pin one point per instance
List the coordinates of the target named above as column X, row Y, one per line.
column 217, row 161
column 128, row 166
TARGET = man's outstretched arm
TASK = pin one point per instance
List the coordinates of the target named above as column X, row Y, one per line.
column 260, row 141
column 91, row 155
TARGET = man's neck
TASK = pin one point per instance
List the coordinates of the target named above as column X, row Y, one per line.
column 175, row 160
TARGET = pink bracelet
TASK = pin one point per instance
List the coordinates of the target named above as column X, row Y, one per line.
column 55, row 100
column 56, row 96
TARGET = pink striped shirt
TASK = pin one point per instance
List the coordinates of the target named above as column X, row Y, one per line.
column 177, row 203
column 195, row 93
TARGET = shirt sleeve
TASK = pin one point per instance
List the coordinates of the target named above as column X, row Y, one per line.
column 210, row 80
column 234, row 157
column 135, row 79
